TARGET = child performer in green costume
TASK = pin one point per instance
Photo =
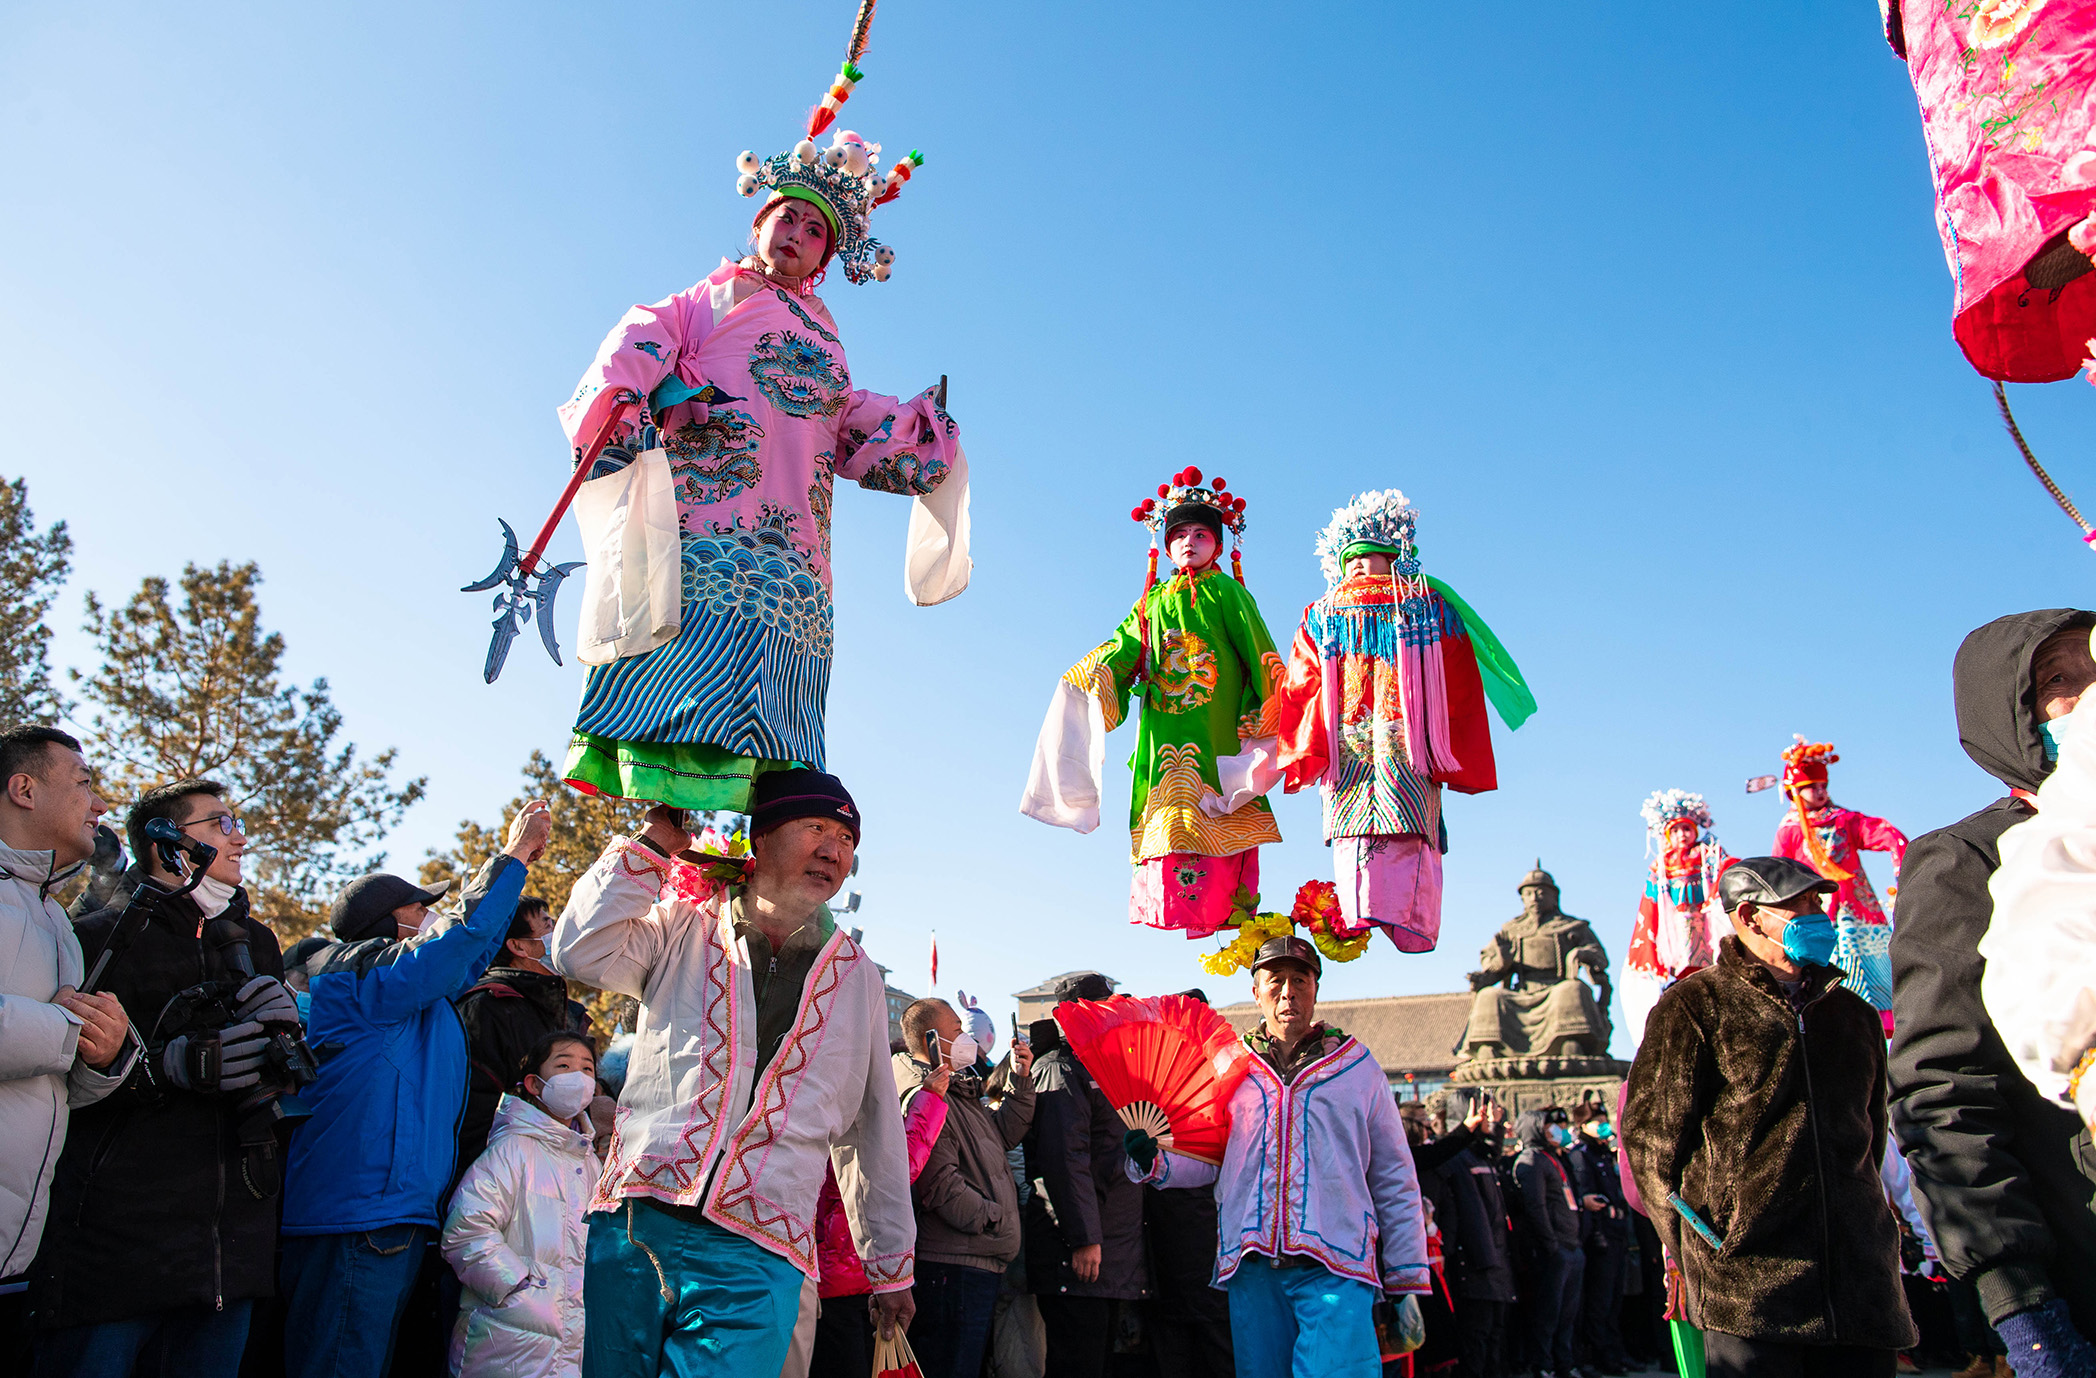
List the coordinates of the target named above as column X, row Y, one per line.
column 1210, row 675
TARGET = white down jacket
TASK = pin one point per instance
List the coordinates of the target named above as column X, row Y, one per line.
column 516, row 1238
column 41, row 1075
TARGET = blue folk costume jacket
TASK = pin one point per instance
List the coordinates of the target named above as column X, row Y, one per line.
column 379, row 1148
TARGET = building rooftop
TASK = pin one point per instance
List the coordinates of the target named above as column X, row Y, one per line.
column 1405, row 1033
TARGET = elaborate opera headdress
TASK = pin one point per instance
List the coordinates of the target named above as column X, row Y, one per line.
column 1380, row 522
column 1805, row 761
column 844, row 180
column 1663, row 806
column 1181, row 500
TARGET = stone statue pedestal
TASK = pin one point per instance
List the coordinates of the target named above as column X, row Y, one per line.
column 1532, row 1083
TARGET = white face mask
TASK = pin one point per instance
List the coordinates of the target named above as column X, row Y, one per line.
column 567, row 1094
column 213, row 896
column 962, row 1052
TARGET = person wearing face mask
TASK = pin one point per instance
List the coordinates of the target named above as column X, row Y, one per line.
column 516, row 1004
column 1544, row 1200
column 1606, row 1221
column 1757, row 1103
column 157, row 1189
column 369, row 1170
column 967, row 1203
column 517, row 1232
column 2003, row 1167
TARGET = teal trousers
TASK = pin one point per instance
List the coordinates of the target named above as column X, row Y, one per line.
column 1307, row 1322
column 670, row 1295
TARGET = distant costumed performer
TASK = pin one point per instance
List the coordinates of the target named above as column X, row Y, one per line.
column 732, row 405
column 1672, row 936
column 1197, row 648
column 1384, row 705
column 2005, row 89
column 1832, row 840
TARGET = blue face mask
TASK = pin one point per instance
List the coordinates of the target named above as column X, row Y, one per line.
column 304, row 1001
column 1604, row 1132
column 2054, row 731
column 1560, row 1136
column 1809, row 939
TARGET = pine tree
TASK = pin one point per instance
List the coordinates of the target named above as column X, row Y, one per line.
column 582, row 825
column 195, row 690
column 32, row 567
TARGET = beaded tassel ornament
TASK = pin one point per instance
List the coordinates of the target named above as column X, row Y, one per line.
column 1183, row 490
column 846, row 175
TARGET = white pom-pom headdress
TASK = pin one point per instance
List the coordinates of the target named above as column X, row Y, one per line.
column 845, row 179
column 1381, row 519
column 1663, row 806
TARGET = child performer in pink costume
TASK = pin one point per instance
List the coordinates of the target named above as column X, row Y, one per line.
column 745, row 379
column 1832, row 841
column 1199, row 651
column 1673, row 933
column 1384, row 704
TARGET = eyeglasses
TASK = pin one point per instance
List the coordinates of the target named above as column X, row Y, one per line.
column 228, row 823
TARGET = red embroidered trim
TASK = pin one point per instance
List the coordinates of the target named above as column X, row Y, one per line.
column 677, row 1177
column 735, row 1205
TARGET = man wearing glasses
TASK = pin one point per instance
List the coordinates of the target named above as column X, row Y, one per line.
column 167, row 1218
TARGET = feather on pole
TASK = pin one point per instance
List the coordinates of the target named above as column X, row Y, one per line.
column 857, row 48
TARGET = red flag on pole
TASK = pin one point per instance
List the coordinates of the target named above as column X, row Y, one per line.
column 935, row 959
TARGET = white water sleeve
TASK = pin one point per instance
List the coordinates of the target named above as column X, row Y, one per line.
column 2040, row 981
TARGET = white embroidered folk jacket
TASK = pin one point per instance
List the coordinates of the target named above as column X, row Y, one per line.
column 1317, row 1167
column 691, row 1128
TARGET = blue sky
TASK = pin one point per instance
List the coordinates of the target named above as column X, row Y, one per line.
column 1643, row 307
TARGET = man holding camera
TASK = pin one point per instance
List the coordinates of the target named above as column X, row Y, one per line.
column 167, row 1191
column 59, row 1049
column 370, row 1169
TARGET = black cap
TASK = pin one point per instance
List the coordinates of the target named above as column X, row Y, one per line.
column 1290, row 949
column 1768, row 880
column 365, row 907
column 1197, row 512
column 1084, row 985
column 780, row 796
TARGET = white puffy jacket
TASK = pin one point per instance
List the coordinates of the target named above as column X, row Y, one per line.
column 41, row 1075
column 516, row 1237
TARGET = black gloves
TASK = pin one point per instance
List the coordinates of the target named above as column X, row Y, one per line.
column 225, row 1060
column 1141, row 1148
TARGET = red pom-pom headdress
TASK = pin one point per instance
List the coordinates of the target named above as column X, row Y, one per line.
column 1181, row 500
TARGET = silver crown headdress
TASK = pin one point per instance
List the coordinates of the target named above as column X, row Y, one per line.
column 1382, row 518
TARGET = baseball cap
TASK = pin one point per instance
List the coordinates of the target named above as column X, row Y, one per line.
column 1289, row 949
column 1768, row 880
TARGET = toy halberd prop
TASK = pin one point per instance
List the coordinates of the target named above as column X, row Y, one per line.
column 1384, row 704
column 1678, row 921
column 707, row 436
column 1832, row 841
column 2004, row 88
column 1198, row 649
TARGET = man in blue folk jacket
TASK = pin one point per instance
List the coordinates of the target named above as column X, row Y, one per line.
column 368, row 1172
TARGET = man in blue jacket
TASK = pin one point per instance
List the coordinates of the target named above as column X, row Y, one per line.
column 367, row 1173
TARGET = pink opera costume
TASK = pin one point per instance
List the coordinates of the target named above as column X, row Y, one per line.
column 742, row 685
column 1197, row 648
column 1832, row 841
column 1679, row 920
column 1384, row 705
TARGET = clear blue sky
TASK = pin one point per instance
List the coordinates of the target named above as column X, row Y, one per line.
column 1643, row 307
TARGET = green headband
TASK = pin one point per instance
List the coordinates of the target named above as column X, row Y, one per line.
column 1356, row 548
column 817, row 200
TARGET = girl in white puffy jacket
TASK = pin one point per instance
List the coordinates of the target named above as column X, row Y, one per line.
column 516, row 1235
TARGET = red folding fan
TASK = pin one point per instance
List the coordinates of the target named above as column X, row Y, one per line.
column 1167, row 1063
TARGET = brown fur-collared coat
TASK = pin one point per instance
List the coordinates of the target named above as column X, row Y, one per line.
column 1771, row 1124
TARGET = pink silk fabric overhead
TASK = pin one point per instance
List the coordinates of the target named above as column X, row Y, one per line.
column 2005, row 88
